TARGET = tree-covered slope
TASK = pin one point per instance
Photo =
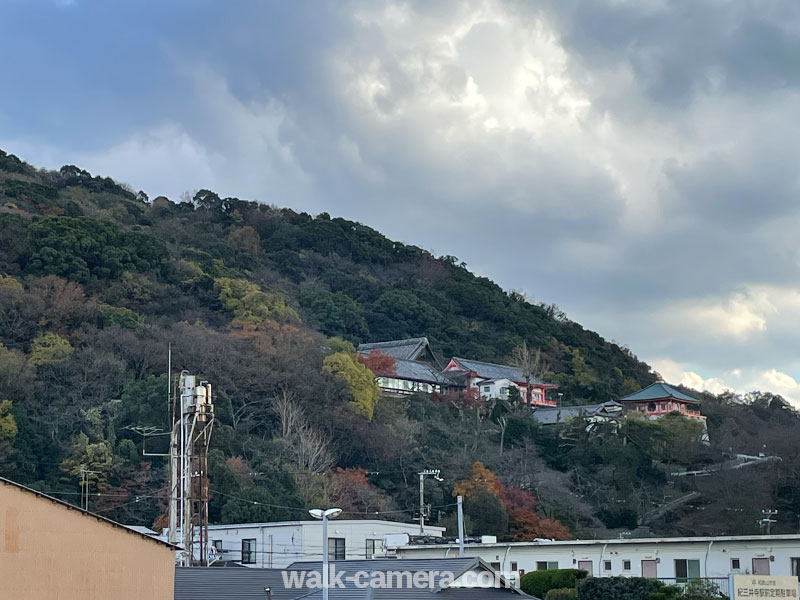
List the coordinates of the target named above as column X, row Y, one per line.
column 96, row 280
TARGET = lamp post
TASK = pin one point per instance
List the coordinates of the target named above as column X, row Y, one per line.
column 331, row 513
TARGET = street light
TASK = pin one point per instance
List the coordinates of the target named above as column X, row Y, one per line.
column 331, row 513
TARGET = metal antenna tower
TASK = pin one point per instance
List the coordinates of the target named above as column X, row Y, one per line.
column 192, row 422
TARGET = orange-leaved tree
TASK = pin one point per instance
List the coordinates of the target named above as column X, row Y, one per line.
column 379, row 363
column 351, row 491
column 523, row 523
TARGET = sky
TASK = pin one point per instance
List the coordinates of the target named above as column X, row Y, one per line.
column 632, row 161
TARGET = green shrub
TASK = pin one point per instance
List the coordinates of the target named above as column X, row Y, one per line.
column 538, row 583
column 617, row 588
column 562, row 594
column 699, row 589
column 665, row 592
column 118, row 315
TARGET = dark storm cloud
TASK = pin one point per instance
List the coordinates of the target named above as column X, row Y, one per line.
column 632, row 161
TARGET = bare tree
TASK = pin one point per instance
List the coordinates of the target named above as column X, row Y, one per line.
column 532, row 366
column 308, row 449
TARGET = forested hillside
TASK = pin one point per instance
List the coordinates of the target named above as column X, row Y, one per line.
column 97, row 280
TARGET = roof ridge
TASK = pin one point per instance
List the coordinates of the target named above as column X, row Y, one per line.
column 87, row 513
column 408, row 341
column 483, row 362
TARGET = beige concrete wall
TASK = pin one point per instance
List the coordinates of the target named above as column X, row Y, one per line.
column 50, row 551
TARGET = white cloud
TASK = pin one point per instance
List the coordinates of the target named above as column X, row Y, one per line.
column 738, row 380
column 627, row 160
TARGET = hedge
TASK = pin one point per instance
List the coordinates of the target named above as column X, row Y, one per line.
column 538, row 583
column 562, row 594
column 617, row 588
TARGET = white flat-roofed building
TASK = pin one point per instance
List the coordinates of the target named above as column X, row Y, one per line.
column 674, row 560
column 277, row 545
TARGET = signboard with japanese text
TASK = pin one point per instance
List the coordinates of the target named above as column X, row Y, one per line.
column 763, row 586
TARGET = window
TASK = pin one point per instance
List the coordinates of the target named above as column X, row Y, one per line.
column 626, row 565
column 487, row 388
column 217, row 545
column 686, row 569
column 249, row 551
column 543, row 565
column 795, row 566
column 606, row 565
column 336, row 549
column 736, row 564
column 373, row 548
column 496, row 566
column 513, row 565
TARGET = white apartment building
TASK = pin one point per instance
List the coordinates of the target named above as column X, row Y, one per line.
column 277, row 545
column 669, row 559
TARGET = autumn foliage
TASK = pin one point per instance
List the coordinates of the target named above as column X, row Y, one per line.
column 379, row 363
column 524, row 523
column 351, row 491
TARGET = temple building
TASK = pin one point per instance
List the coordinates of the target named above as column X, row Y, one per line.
column 659, row 399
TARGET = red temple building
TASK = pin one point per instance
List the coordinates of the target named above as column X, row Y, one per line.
column 659, row 399
column 490, row 380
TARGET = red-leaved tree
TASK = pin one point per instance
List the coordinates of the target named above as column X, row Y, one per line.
column 379, row 363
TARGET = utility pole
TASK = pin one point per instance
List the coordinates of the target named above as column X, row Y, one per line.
column 85, row 486
column 460, row 526
column 422, row 474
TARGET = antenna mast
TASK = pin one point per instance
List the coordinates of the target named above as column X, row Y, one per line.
column 192, row 422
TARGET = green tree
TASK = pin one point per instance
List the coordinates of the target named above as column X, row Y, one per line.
column 249, row 303
column 118, row 315
column 486, row 513
column 50, row 348
column 8, row 431
column 8, row 426
column 89, row 464
column 81, row 249
column 337, row 313
column 360, row 381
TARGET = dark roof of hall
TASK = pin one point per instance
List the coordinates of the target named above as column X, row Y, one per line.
column 658, row 391
column 409, row 349
column 419, row 371
column 495, row 371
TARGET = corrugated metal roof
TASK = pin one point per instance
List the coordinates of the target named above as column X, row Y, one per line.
column 439, row 566
column 494, row 371
column 659, row 391
column 454, row 565
column 311, row 521
column 410, row 349
column 204, row 583
column 787, row 537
